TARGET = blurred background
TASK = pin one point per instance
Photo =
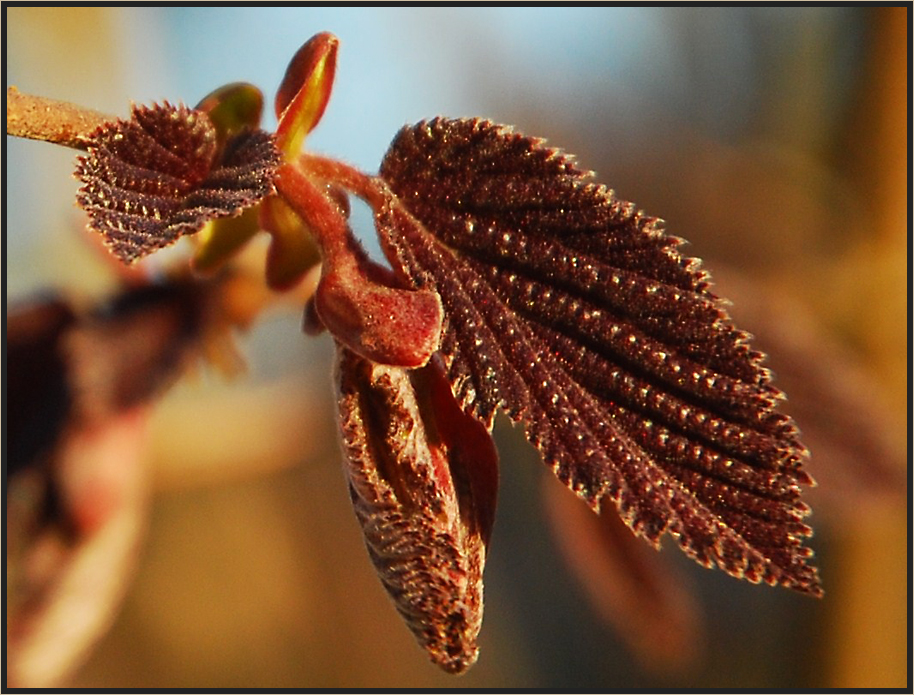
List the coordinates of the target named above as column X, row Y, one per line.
column 774, row 140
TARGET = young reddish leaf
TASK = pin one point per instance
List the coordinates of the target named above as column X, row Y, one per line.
column 161, row 175
column 37, row 381
column 575, row 313
column 138, row 343
column 86, row 367
column 232, row 109
column 68, row 565
column 305, row 91
column 423, row 481
column 80, row 381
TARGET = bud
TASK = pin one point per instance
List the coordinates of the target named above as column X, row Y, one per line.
column 232, row 108
column 305, row 91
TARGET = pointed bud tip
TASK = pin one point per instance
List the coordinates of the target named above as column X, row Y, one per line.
column 305, row 91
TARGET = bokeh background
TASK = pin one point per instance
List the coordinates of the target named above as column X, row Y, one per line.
column 775, row 140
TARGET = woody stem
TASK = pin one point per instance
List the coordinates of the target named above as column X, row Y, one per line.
column 59, row 122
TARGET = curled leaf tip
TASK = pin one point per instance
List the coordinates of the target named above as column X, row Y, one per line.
column 387, row 325
column 359, row 302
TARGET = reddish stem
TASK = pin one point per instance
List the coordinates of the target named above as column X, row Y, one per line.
column 385, row 324
column 371, row 189
column 322, row 215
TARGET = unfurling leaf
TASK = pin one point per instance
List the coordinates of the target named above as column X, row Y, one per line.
column 575, row 313
column 305, row 91
column 71, row 370
column 423, row 480
column 162, row 174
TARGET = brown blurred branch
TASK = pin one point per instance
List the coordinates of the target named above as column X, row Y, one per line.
column 60, row 122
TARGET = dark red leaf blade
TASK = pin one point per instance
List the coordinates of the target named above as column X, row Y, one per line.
column 161, row 175
column 575, row 313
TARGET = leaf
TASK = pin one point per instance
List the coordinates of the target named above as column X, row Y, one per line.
column 305, row 91
column 37, row 381
column 161, row 175
column 131, row 349
column 74, row 369
column 575, row 313
column 423, row 480
column 79, row 384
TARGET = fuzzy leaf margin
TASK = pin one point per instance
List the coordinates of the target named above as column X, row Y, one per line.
column 163, row 174
column 575, row 313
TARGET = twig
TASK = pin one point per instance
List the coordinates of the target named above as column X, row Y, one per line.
column 54, row 121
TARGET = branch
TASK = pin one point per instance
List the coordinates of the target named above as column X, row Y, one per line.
column 60, row 122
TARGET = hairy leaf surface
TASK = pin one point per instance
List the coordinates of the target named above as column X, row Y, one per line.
column 575, row 313
column 423, row 480
column 161, row 175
